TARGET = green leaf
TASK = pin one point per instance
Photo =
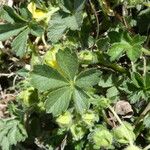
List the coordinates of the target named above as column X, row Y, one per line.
column 59, row 24
column 136, row 97
column 24, row 12
column 11, row 132
column 81, row 100
column 58, row 100
column 103, row 44
column 37, row 30
column 56, row 28
column 19, row 44
column 116, row 51
column 10, row 15
column 68, row 63
column 101, row 137
column 74, row 21
column 125, row 43
column 134, row 52
column 88, row 78
column 71, row 6
column 106, row 81
column 124, row 133
column 112, row 92
column 46, row 78
column 138, row 39
column 5, row 144
column 147, row 81
column 115, row 36
column 9, row 30
column 142, row 21
column 137, row 79
column 146, row 121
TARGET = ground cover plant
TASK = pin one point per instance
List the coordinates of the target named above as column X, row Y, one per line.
column 75, row 75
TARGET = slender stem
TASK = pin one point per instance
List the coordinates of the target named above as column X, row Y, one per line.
column 122, row 124
column 64, row 142
column 37, row 40
column 133, row 66
column 14, row 80
column 97, row 21
column 116, row 116
column 113, row 66
column 44, row 41
column 105, row 118
column 146, row 52
column 142, row 115
column 144, row 66
column 123, row 16
column 148, row 38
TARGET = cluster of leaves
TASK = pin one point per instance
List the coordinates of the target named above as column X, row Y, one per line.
column 94, row 54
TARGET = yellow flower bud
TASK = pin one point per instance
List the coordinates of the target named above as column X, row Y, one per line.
column 64, row 120
column 50, row 58
column 39, row 14
column 101, row 137
column 89, row 118
column 78, row 131
column 29, row 96
column 36, row 13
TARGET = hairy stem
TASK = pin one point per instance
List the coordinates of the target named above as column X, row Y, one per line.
column 144, row 66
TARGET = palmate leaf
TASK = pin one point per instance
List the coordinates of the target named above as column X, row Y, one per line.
column 124, row 43
column 21, row 31
column 62, row 84
column 19, row 44
column 46, row 78
column 11, row 132
column 18, row 26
